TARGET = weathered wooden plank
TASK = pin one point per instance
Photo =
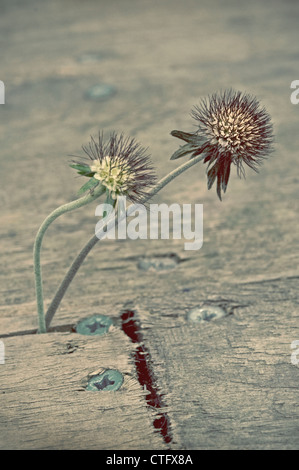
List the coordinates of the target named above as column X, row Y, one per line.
column 230, row 382
column 44, row 404
column 146, row 106
column 227, row 384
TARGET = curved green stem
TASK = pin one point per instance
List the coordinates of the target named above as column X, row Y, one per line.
column 38, row 242
column 91, row 243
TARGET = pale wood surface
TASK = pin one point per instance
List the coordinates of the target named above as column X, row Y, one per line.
column 226, row 384
column 231, row 384
column 44, row 404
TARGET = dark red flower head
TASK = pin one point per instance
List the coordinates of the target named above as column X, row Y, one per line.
column 232, row 128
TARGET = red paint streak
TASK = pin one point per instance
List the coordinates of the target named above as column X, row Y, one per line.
column 145, row 373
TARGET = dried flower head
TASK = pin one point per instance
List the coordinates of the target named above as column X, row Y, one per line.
column 120, row 165
column 232, row 128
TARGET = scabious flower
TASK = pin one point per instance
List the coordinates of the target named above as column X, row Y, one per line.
column 120, row 165
column 232, row 128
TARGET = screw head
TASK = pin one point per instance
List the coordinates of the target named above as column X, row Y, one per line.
column 109, row 380
column 94, row 326
column 158, row 263
column 100, row 92
column 205, row 313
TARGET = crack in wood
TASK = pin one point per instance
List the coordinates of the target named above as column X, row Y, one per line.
column 145, row 374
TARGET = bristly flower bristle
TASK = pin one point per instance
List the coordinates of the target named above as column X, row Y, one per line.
column 232, row 128
column 120, row 165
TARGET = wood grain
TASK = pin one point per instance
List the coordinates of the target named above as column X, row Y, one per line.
column 44, row 404
column 230, row 382
column 225, row 384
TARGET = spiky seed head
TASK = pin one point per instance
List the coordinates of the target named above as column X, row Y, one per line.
column 119, row 164
column 231, row 128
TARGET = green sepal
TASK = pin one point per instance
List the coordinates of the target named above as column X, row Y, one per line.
column 92, row 183
column 81, row 168
column 186, row 136
column 182, row 151
column 90, row 175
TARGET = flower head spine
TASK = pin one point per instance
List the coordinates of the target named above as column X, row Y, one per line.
column 120, row 165
column 232, row 128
